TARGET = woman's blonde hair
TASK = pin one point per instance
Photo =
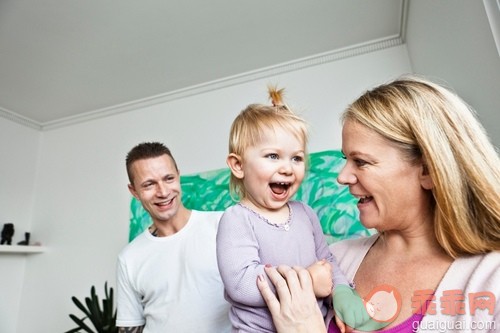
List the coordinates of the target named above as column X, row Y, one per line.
column 434, row 126
column 248, row 127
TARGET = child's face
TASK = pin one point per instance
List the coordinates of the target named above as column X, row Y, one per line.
column 273, row 170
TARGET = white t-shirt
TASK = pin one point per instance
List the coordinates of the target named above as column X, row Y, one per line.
column 172, row 284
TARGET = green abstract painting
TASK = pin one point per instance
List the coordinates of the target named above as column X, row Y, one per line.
column 335, row 206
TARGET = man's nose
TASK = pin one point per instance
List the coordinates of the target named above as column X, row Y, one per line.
column 162, row 190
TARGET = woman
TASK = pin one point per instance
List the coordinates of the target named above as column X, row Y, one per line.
column 428, row 180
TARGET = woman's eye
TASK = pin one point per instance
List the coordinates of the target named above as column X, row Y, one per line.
column 360, row 162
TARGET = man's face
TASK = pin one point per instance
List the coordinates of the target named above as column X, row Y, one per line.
column 156, row 184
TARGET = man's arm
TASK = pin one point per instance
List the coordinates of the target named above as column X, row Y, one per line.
column 137, row 329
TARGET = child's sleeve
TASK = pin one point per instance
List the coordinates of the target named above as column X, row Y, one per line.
column 322, row 250
column 238, row 259
column 347, row 304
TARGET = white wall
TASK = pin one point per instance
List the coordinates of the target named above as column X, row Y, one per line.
column 81, row 210
column 452, row 40
column 18, row 162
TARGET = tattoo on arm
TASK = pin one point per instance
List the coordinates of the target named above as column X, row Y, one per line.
column 137, row 329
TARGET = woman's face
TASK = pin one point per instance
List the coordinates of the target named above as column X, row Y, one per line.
column 392, row 192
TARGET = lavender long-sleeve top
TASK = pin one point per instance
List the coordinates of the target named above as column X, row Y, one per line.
column 246, row 243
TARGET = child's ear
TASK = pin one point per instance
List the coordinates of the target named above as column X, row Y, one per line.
column 235, row 163
column 425, row 178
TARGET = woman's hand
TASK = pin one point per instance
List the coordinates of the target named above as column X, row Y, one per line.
column 297, row 310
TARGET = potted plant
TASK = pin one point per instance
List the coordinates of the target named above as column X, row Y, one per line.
column 103, row 320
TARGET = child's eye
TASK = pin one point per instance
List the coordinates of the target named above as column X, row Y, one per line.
column 297, row 158
column 272, row 156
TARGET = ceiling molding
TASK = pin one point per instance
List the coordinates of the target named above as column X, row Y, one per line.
column 492, row 8
column 295, row 65
column 319, row 59
column 403, row 20
column 228, row 81
column 12, row 116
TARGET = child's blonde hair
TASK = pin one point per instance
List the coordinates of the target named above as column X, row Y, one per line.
column 248, row 127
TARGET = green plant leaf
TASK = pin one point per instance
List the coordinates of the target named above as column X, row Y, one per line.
column 95, row 310
column 74, row 330
column 80, row 323
column 80, row 306
column 104, row 320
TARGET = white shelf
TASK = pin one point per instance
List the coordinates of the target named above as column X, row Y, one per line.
column 21, row 249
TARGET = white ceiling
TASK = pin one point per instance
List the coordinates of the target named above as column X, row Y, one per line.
column 61, row 59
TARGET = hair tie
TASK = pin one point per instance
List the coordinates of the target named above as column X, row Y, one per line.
column 276, row 97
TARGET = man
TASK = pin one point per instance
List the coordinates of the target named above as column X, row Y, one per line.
column 167, row 277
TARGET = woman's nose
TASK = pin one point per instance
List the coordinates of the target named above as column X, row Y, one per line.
column 346, row 177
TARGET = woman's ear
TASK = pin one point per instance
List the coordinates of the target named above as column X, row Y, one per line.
column 235, row 163
column 425, row 178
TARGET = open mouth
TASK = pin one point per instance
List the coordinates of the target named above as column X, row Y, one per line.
column 164, row 203
column 279, row 188
column 365, row 199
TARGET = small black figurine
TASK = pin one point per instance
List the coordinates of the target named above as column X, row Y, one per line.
column 26, row 240
column 7, row 233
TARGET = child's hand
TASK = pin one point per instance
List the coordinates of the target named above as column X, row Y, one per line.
column 349, row 307
column 342, row 326
column 321, row 275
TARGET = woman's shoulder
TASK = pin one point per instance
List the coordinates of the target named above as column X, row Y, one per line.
column 482, row 268
column 475, row 278
column 350, row 253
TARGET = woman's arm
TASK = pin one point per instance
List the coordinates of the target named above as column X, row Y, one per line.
column 296, row 311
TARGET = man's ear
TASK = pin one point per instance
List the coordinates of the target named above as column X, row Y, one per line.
column 132, row 191
column 425, row 178
column 235, row 163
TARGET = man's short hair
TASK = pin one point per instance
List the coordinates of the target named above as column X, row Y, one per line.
column 146, row 150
